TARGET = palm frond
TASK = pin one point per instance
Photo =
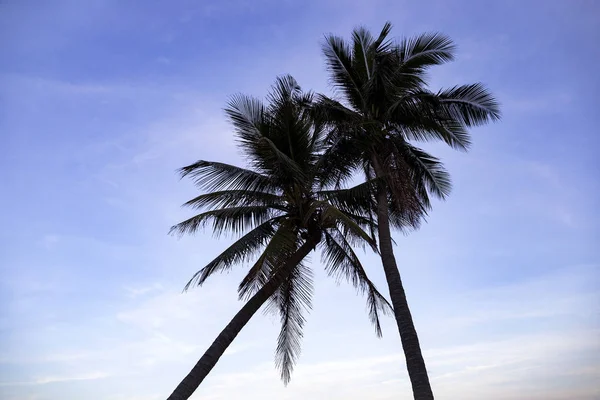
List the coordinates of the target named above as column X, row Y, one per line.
column 235, row 220
column 421, row 117
column 472, row 104
column 428, row 169
column 338, row 57
column 362, row 41
column 337, row 164
column 332, row 111
column 425, row 50
column 285, row 89
column 342, row 262
column 397, row 183
column 382, row 43
column 277, row 161
column 406, row 219
column 235, row 198
column 239, row 252
column 279, row 248
column 213, row 176
column 357, row 199
column 247, row 115
column 293, row 300
column 334, row 216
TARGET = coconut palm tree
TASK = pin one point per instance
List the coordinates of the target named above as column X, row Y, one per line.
column 385, row 107
column 281, row 216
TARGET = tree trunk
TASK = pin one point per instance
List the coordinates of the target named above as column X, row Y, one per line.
column 191, row 382
column 408, row 334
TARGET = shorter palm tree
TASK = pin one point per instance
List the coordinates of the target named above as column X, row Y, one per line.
column 282, row 212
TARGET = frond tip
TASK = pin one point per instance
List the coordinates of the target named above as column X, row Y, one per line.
column 292, row 299
column 225, row 220
column 213, row 176
column 342, row 262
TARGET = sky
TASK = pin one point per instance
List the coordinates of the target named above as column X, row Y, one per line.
column 102, row 100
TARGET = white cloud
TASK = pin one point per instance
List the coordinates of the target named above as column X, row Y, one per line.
column 490, row 369
column 134, row 292
column 77, row 377
column 59, row 379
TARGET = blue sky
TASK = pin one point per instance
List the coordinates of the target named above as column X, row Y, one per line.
column 101, row 101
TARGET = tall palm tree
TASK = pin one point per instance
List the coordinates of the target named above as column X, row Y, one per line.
column 385, row 107
column 282, row 212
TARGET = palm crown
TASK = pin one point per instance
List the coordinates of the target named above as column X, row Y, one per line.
column 386, row 105
column 275, row 205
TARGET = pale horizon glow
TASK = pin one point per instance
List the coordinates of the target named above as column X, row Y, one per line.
column 101, row 101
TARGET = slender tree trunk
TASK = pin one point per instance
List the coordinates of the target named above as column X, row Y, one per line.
column 408, row 334
column 206, row 363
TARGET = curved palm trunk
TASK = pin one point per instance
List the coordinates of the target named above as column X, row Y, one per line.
column 408, row 334
column 206, row 363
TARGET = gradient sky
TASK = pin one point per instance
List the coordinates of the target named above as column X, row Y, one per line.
column 100, row 102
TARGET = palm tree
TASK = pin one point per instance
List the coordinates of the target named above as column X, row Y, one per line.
column 281, row 216
column 385, row 107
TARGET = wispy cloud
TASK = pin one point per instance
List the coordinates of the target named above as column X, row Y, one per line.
column 134, row 292
column 465, row 372
column 59, row 379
